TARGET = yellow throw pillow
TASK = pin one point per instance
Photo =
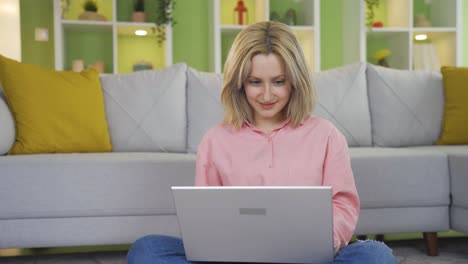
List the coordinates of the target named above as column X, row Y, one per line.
column 55, row 111
column 455, row 120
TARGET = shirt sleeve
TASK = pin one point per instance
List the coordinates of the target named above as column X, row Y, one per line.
column 206, row 172
column 338, row 174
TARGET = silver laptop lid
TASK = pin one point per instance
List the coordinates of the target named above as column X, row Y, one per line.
column 256, row 224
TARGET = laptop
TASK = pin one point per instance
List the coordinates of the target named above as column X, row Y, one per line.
column 265, row 224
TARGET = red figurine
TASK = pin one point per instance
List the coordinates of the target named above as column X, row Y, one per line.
column 241, row 9
column 377, row 24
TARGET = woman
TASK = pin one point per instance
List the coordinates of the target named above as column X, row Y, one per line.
column 269, row 138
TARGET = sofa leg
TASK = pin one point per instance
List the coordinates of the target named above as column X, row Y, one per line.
column 432, row 243
column 379, row 237
column 362, row 237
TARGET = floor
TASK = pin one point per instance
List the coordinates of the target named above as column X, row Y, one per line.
column 452, row 251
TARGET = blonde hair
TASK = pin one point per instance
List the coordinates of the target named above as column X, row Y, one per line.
column 266, row 38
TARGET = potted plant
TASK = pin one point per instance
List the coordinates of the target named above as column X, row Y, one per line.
column 164, row 9
column 370, row 15
column 138, row 14
column 90, row 12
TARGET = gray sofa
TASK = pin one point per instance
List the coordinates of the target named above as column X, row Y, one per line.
column 391, row 119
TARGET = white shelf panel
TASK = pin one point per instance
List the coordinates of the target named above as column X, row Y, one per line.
column 119, row 31
column 434, row 29
column 302, row 28
column 388, row 29
column 135, row 24
column 232, row 28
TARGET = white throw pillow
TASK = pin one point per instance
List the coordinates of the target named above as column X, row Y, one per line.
column 406, row 106
column 204, row 108
column 7, row 123
column 146, row 110
column 342, row 99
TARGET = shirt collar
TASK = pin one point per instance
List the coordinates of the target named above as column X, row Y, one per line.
column 280, row 126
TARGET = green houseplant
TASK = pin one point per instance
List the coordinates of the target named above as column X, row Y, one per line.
column 90, row 8
column 90, row 5
column 370, row 15
column 139, row 11
column 164, row 16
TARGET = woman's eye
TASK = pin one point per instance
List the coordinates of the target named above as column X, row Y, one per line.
column 254, row 82
column 280, row 82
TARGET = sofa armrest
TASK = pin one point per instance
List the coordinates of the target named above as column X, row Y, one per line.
column 7, row 126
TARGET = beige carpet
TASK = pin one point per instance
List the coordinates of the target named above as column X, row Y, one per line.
column 452, row 251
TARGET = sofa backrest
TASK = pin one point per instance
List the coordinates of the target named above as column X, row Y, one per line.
column 146, row 111
column 7, row 125
column 406, row 106
column 342, row 99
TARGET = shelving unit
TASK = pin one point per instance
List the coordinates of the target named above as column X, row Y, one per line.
column 112, row 41
column 400, row 27
column 225, row 27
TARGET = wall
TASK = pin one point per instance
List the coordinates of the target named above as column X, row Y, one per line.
column 465, row 32
column 37, row 13
column 331, row 41
column 190, row 35
column 10, row 28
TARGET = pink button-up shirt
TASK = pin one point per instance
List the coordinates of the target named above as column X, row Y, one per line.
column 314, row 154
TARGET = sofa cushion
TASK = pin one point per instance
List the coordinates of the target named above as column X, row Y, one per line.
column 7, row 133
column 204, row 109
column 54, row 111
column 342, row 99
column 392, row 177
column 88, row 184
column 458, row 165
column 455, row 125
column 146, row 109
column 406, row 106
column 458, row 216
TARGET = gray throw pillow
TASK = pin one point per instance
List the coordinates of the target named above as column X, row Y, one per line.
column 342, row 99
column 204, row 108
column 146, row 110
column 406, row 106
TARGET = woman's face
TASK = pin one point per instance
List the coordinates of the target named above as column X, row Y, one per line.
column 267, row 88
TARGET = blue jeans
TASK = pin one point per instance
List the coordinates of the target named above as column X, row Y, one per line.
column 155, row 249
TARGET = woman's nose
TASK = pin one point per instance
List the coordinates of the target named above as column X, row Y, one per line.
column 267, row 94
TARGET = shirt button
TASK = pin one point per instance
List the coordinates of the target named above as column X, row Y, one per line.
column 269, row 166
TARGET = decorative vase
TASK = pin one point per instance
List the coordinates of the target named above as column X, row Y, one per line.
column 90, row 15
column 77, row 65
column 138, row 17
column 421, row 21
column 142, row 66
column 99, row 66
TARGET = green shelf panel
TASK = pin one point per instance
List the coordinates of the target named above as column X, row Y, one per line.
column 281, row 7
column 134, row 49
column 396, row 42
column 227, row 38
column 373, row 46
column 90, row 46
